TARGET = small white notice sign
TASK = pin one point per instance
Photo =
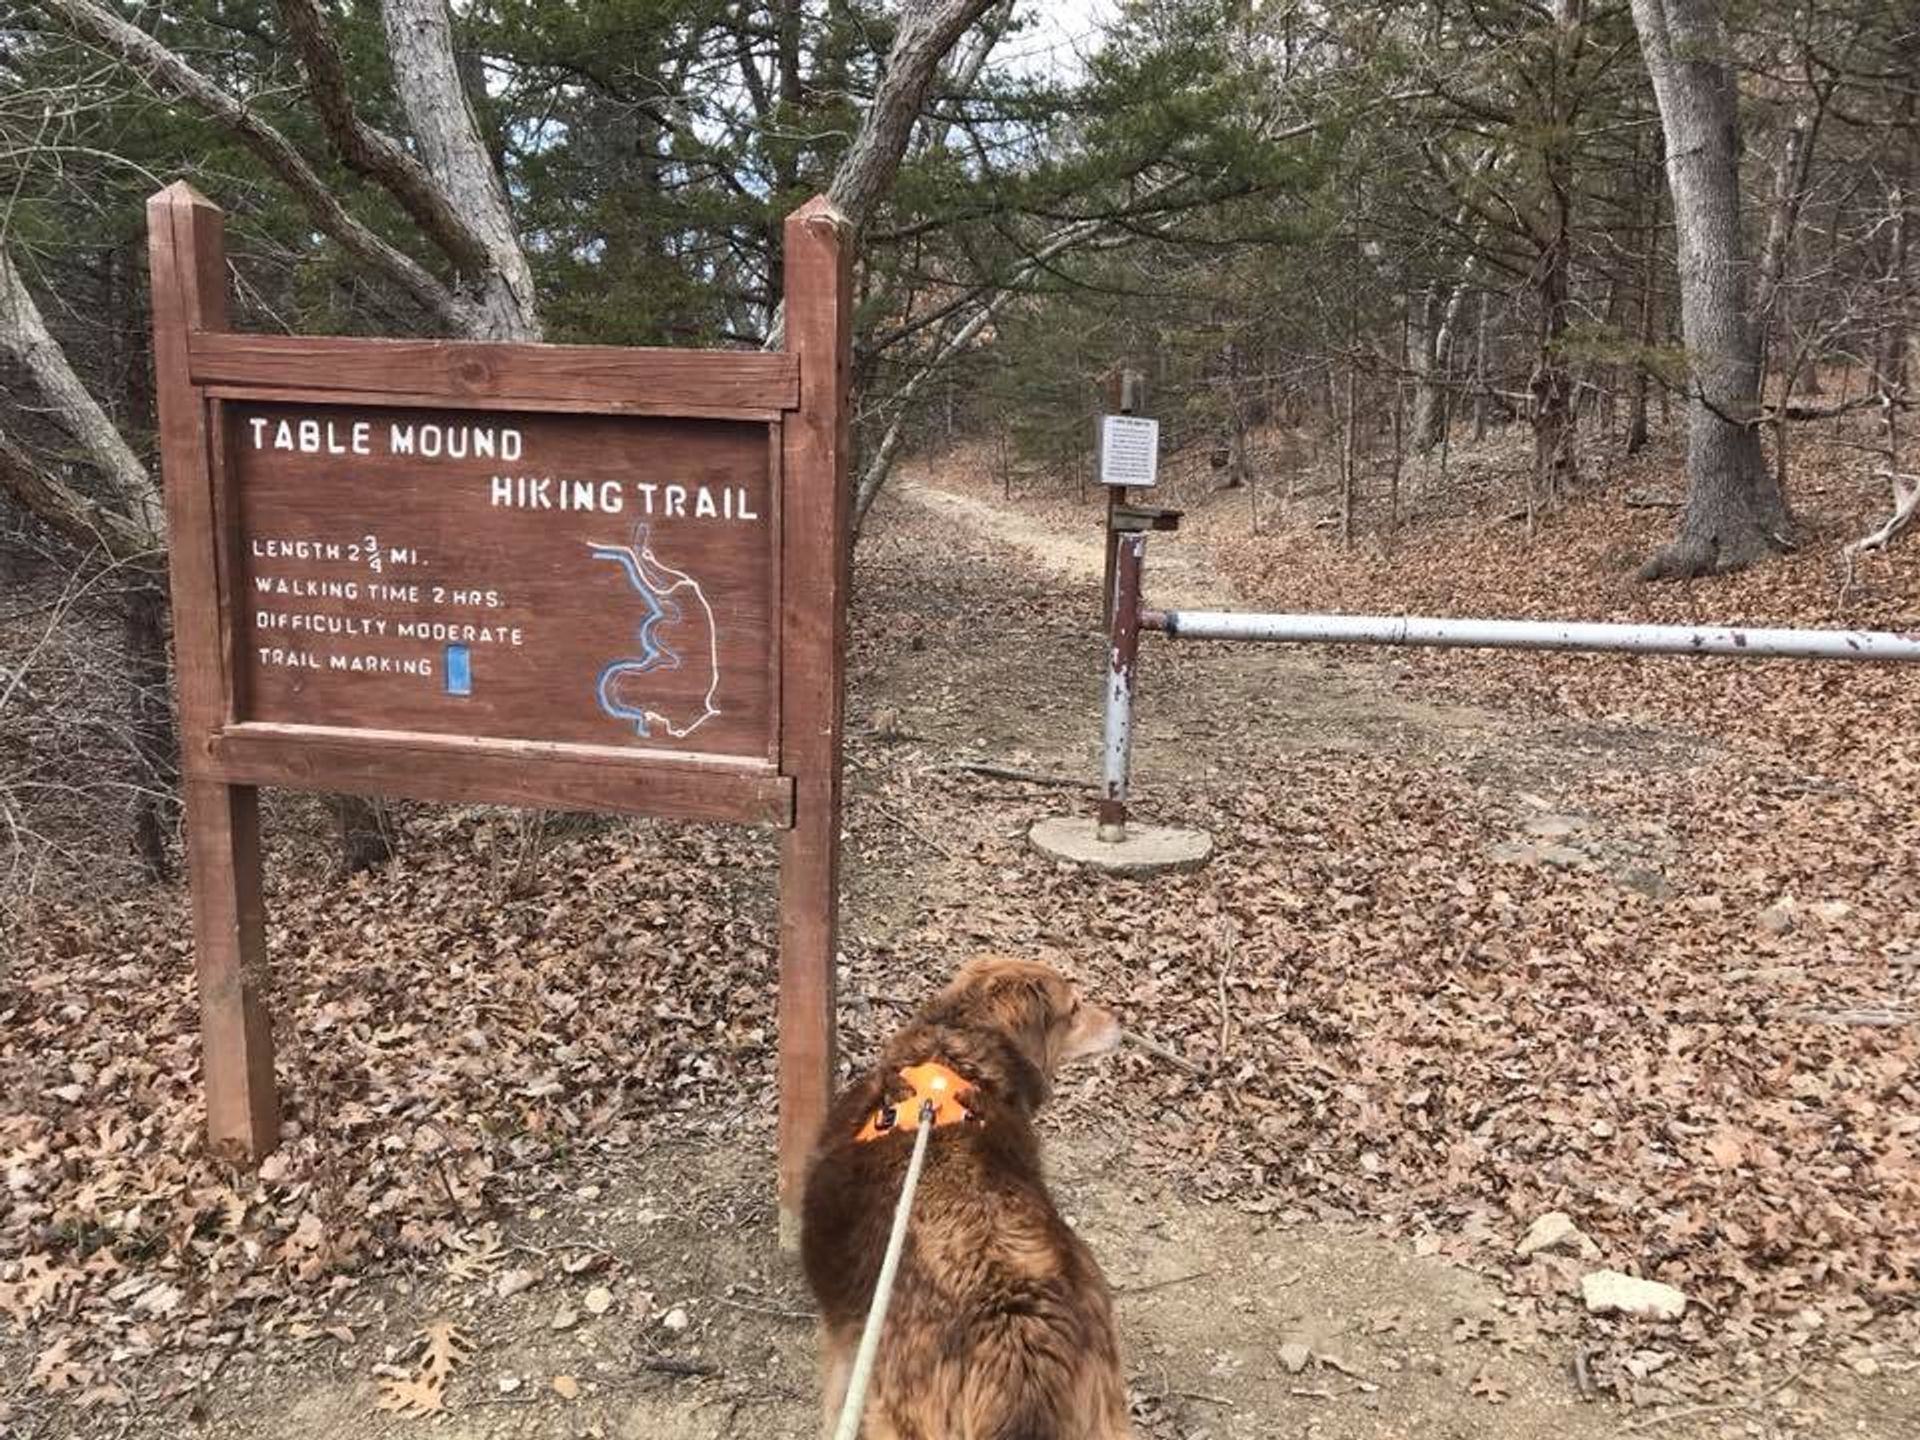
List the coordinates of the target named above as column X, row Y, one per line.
column 1129, row 450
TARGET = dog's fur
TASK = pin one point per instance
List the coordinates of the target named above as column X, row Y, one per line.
column 1001, row 1327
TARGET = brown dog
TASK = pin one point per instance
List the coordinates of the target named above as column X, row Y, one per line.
column 1001, row 1327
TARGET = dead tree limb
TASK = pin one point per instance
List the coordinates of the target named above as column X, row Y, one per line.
column 1010, row 772
column 167, row 74
column 134, row 524
column 1906, row 500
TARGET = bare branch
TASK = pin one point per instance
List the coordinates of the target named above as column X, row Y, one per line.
column 427, row 75
column 959, row 339
column 1906, row 500
column 136, row 525
column 168, row 74
column 372, row 151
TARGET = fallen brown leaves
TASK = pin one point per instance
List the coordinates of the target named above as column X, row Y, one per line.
column 446, row 1054
column 424, row 1392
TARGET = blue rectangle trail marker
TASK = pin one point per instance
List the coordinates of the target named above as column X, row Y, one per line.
column 459, row 670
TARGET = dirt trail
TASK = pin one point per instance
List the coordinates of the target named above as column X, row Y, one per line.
column 1197, row 700
column 1181, row 574
column 1209, row 1298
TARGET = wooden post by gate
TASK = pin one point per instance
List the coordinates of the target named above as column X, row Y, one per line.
column 570, row 577
column 1126, row 395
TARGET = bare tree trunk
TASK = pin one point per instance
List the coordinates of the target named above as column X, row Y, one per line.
column 1439, row 413
column 1556, row 464
column 134, row 524
column 1736, row 510
column 1399, row 460
column 1348, row 486
column 1429, row 354
column 168, row 74
column 927, row 32
column 150, row 724
column 1890, row 351
column 1480, row 396
column 1426, row 351
column 426, row 73
column 1649, row 309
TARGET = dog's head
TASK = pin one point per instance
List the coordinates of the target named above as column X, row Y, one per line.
column 1036, row 1007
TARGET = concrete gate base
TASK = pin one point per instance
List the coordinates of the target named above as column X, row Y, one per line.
column 1146, row 849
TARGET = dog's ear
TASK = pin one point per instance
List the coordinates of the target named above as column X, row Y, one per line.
column 1010, row 996
column 1037, row 1008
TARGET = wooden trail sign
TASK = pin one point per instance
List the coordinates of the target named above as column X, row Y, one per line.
column 543, row 575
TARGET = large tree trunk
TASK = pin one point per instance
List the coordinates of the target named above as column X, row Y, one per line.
column 1431, row 347
column 1736, row 511
column 1556, row 460
column 1438, row 322
column 926, row 34
column 426, row 73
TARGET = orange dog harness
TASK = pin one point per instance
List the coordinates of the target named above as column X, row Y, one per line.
column 935, row 1086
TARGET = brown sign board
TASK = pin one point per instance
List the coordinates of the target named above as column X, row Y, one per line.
column 579, row 579
column 556, row 576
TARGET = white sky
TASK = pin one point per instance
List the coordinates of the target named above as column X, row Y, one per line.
column 1062, row 35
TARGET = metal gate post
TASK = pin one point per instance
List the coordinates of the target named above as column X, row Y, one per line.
column 1106, row 841
column 1123, row 647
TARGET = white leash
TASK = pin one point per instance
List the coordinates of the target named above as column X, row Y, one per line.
column 862, row 1376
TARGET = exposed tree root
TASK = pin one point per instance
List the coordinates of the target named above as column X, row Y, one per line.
column 1692, row 556
column 1906, row 500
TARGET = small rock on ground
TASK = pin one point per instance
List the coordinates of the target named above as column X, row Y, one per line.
column 1608, row 1292
column 1555, row 1230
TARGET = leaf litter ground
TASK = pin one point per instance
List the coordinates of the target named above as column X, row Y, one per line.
column 1486, row 937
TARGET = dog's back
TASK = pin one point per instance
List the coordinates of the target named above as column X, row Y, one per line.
column 1001, row 1327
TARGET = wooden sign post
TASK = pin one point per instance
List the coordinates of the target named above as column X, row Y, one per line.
column 1127, row 396
column 569, row 577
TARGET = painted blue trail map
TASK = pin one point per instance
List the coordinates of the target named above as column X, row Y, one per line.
column 673, row 680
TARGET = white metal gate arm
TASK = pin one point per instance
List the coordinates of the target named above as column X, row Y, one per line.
column 1533, row 635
